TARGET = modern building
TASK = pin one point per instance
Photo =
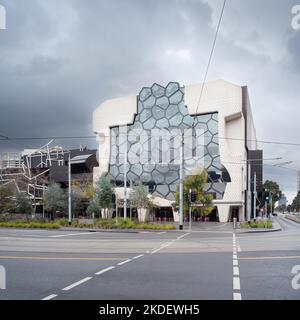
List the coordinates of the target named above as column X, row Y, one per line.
column 149, row 137
column 34, row 169
column 10, row 160
column 282, row 201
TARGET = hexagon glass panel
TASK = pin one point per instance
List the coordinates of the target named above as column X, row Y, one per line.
column 163, row 108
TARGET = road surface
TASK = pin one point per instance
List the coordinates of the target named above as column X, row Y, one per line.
column 211, row 262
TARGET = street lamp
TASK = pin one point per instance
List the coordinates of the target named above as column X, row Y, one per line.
column 69, row 191
column 249, row 197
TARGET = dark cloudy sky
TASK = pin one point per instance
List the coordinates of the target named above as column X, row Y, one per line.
column 59, row 59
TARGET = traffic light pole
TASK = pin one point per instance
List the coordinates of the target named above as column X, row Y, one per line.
column 254, row 196
column 248, row 213
column 181, row 188
column 190, row 210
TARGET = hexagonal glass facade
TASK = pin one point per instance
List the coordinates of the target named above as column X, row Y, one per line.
column 152, row 144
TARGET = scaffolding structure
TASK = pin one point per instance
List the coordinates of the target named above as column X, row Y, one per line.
column 27, row 172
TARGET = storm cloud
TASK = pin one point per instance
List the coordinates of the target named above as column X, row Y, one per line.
column 60, row 59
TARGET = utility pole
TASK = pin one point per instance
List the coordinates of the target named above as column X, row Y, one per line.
column 69, row 191
column 249, row 193
column 181, row 187
column 131, row 185
column 116, row 208
column 190, row 210
column 254, row 196
column 125, row 177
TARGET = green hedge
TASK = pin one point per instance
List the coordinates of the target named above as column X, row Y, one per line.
column 257, row 225
column 29, row 225
column 122, row 224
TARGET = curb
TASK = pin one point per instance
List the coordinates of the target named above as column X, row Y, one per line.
column 114, row 230
column 278, row 228
column 289, row 218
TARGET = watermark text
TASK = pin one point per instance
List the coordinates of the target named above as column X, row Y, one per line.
column 296, row 19
column 296, row 278
column 2, row 278
column 2, row 17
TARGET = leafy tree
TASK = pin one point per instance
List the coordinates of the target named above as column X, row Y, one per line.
column 23, row 204
column 93, row 208
column 103, row 194
column 139, row 198
column 196, row 183
column 76, row 200
column 274, row 191
column 296, row 202
column 6, row 199
column 54, row 198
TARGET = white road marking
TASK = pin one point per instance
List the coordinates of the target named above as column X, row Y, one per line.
column 239, row 248
column 237, row 296
column 123, row 262
column 182, row 236
column 164, row 244
column 236, row 271
column 77, row 283
column 139, row 256
column 104, row 270
column 69, row 234
column 236, row 283
column 162, row 232
column 52, row 296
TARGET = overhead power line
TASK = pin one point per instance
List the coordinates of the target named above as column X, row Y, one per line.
column 210, row 57
column 294, row 144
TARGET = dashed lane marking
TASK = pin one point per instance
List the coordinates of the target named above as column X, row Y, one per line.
column 236, row 283
column 52, row 296
column 70, row 234
column 77, row 283
column 104, row 270
column 139, row 256
column 123, row 262
column 237, row 296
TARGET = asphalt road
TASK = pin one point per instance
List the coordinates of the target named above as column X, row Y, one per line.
column 209, row 263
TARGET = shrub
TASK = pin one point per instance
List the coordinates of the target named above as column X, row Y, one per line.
column 30, row 225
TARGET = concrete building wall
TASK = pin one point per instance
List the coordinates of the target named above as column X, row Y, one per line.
column 218, row 96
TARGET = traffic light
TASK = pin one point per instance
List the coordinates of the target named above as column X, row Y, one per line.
column 266, row 195
column 193, row 197
column 186, row 197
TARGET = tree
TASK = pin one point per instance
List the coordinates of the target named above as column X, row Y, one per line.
column 274, row 191
column 103, row 194
column 196, row 183
column 6, row 199
column 54, row 198
column 23, row 204
column 296, row 203
column 93, row 208
column 139, row 198
column 76, row 200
